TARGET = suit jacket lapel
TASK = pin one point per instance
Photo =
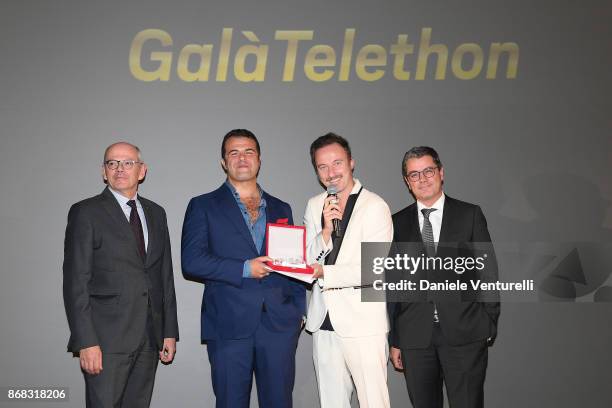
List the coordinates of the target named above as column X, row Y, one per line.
column 113, row 209
column 231, row 210
column 447, row 220
column 271, row 216
column 152, row 229
column 415, row 231
column 408, row 230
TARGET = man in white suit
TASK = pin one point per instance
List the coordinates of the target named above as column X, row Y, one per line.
column 349, row 336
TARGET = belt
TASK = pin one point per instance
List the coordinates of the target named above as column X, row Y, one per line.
column 349, row 287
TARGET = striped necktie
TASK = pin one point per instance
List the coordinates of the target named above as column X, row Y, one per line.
column 430, row 245
column 427, row 232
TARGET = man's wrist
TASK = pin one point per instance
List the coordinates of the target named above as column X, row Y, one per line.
column 326, row 236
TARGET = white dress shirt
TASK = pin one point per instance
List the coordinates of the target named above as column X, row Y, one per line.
column 122, row 200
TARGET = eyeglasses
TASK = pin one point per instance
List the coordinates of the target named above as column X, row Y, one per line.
column 427, row 172
column 126, row 164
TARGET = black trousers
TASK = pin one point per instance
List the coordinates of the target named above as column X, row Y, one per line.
column 461, row 368
column 127, row 379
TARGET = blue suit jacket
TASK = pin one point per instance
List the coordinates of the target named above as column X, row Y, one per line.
column 215, row 244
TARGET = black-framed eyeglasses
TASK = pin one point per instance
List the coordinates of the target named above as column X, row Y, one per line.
column 427, row 172
column 126, row 164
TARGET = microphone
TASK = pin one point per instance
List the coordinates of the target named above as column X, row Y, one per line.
column 332, row 191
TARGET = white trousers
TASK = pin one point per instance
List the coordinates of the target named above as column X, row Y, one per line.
column 338, row 359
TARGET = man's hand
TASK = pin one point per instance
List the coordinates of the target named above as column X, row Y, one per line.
column 91, row 360
column 396, row 358
column 166, row 355
column 331, row 211
column 258, row 268
column 317, row 270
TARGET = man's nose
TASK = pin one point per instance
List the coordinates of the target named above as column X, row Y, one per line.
column 120, row 165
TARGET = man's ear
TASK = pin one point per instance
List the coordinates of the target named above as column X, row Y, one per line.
column 143, row 172
column 223, row 166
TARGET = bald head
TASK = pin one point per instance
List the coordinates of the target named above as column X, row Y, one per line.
column 122, row 145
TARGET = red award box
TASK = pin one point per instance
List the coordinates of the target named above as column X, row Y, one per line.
column 286, row 245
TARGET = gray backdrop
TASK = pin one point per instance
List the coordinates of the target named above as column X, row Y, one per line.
column 534, row 151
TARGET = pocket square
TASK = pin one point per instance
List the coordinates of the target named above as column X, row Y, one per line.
column 282, row 221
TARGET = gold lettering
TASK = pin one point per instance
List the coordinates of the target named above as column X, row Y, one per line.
column 347, row 51
column 512, row 49
column 313, row 62
column 292, row 38
column 154, row 61
column 456, row 62
column 261, row 55
column 425, row 50
column 400, row 49
column 224, row 51
column 162, row 73
column 364, row 61
column 204, row 53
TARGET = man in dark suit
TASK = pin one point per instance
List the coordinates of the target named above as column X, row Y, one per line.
column 251, row 319
column 443, row 338
column 119, row 286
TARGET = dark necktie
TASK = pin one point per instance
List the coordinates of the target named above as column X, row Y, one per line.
column 137, row 228
column 427, row 232
column 430, row 246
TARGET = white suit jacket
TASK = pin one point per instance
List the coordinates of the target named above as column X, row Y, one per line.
column 350, row 317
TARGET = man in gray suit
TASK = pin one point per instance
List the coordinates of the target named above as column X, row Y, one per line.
column 119, row 286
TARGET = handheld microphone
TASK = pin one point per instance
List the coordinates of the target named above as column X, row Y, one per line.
column 332, row 191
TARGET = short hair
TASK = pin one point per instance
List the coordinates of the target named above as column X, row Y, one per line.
column 239, row 133
column 124, row 143
column 417, row 152
column 326, row 140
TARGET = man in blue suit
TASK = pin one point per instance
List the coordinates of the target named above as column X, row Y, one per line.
column 251, row 319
